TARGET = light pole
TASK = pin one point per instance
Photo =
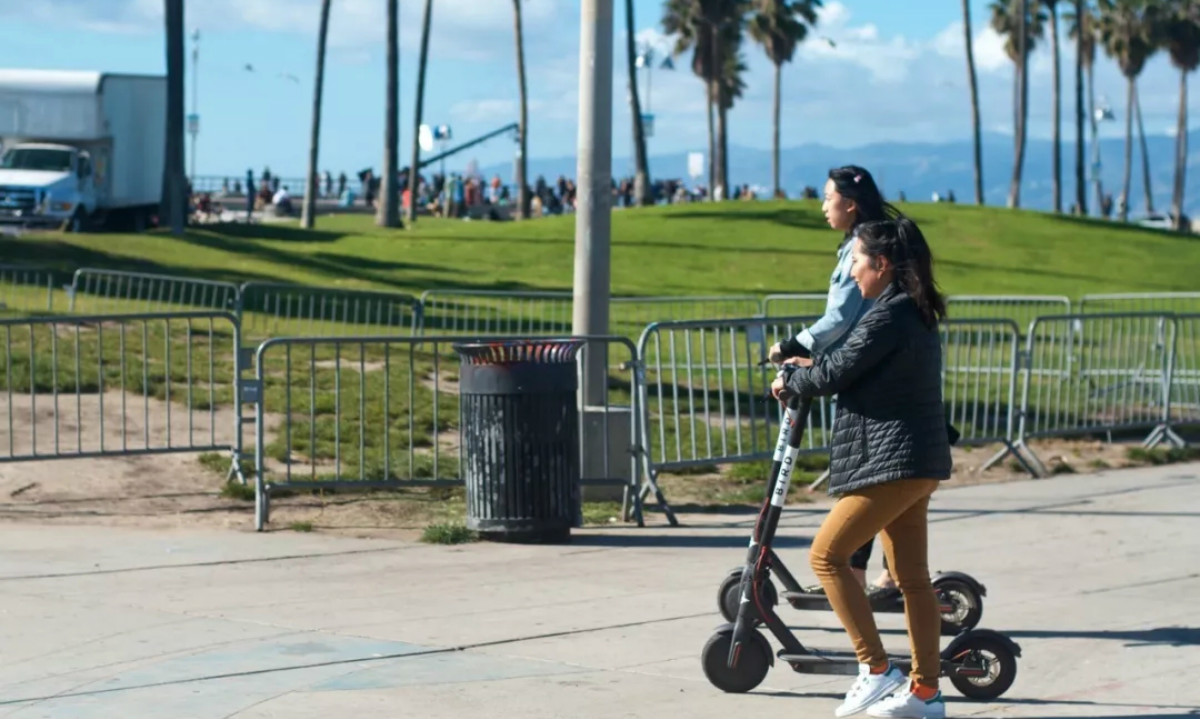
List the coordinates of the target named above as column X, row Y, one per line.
column 1103, row 114
column 594, row 176
column 194, row 118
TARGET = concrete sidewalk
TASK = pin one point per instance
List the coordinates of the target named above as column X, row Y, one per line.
column 1096, row 577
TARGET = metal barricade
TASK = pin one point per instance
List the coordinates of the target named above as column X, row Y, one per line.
column 800, row 304
column 980, row 366
column 25, row 288
column 1098, row 373
column 498, row 312
column 1163, row 302
column 383, row 412
column 706, row 395
column 270, row 309
column 1021, row 309
column 107, row 291
column 1185, row 376
column 117, row 385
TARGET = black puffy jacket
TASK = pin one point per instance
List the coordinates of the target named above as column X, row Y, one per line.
column 891, row 423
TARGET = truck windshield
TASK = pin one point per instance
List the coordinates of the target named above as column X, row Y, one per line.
column 37, row 158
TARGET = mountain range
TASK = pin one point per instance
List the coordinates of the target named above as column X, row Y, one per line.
column 921, row 169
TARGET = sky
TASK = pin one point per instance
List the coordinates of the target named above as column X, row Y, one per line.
column 873, row 71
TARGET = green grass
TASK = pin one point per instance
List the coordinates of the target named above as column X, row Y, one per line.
column 448, row 533
column 1163, row 455
column 726, row 248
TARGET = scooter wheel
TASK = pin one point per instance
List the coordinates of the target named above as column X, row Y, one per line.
column 751, row 664
column 991, row 657
column 967, row 606
column 729, row 595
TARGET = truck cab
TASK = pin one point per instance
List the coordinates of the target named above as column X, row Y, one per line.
column 47, row 184
column 83, row 149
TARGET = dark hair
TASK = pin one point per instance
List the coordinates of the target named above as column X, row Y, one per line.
column 856, row 184
column 902, row 243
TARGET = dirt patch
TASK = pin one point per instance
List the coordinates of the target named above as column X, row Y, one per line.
column 177, row 490
column 372, row 366
column 1060, row 456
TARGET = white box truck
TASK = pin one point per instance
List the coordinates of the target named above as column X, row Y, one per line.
column 81, row 149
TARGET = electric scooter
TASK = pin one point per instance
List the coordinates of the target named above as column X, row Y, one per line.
column 960, row 596
column 980, row 663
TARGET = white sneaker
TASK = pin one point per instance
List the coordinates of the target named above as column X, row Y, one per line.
column 870, row 688
column 904, row 704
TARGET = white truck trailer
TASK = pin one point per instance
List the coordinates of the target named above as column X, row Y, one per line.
column 81, row 149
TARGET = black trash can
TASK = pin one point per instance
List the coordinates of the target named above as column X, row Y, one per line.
column 520, row 435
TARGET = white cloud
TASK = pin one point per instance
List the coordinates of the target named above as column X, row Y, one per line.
column 470, row 29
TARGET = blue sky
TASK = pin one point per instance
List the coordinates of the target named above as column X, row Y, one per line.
column 894, row 75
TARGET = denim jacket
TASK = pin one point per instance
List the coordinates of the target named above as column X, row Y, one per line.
column 844, row 307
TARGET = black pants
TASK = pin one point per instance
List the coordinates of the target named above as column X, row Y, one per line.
column 862, row 555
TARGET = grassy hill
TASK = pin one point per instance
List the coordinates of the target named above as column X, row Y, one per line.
column 756, row 247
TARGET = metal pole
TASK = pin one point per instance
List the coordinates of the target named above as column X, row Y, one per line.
column 594, row 177
column 195, row 99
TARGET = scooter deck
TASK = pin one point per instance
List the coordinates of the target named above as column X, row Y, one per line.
column 833, row 661
column 890, row 602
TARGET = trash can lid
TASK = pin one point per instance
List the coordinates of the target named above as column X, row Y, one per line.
column 547, row 351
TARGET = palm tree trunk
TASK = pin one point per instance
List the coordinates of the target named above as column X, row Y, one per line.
column 1181, row 150
column 1149, row 191
column 775, row 139
column 312, row 183
column 723, row 149
column 1091, row 83
column 522, row 210
column 641, row 174
column 1022, row 91
column 1080, row 176
column 174, row 181
column 974, row 83
column 1057, row 110
column 712, row 149
column 415, row 161
column 388, row 214
column 1123, row 209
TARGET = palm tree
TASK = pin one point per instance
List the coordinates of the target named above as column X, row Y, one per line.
column 1083, row 30
column 415, row 162
column 311, row 183
column 1056, row 114
column 522, row 210
column 1141, row 128
column 174, row 181
column 779, row 26
column 641, row 174
column 729, row 87
column 1080, row 177
column 1014, row 20
column 712, row 29
column 1125, row 28
column 388, row 214
column 976, row 123
column 1181, row 36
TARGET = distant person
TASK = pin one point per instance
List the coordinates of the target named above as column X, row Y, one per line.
column 250, row 193
column 282, row 200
